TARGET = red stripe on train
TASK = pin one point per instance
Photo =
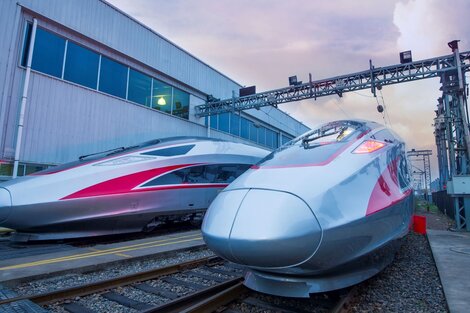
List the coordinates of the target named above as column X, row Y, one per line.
column 123, row 184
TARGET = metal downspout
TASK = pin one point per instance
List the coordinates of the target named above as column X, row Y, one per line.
column 24, row 99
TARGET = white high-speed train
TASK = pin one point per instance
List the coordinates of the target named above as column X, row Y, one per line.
column 123, row 190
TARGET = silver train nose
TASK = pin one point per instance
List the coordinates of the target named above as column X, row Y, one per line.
column 261, row 228
column 5, row 204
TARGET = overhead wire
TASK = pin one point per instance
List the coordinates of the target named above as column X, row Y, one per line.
column 385, row 109
column 344, row 112
column 284, row 124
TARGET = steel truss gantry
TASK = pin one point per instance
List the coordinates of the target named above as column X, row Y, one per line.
column 421, row 156
column 374, row 78
column 451, row 130
column 451, row 124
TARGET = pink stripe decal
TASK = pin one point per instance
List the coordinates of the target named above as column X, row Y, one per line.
column 386, row 192
column 123, row 184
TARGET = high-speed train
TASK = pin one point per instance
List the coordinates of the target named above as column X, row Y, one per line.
column 323, row 212
column 123, row 190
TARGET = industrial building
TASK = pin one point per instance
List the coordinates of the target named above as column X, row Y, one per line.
column 100, row 79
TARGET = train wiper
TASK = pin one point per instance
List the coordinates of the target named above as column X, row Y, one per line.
column 122, row 149
column 306, row 142
column 111, row 150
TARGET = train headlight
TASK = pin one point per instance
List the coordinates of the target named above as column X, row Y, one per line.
column 369, row 146
column 124, row 160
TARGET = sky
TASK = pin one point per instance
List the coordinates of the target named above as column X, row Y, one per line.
column 263, row 42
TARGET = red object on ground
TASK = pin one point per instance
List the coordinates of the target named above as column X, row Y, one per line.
column 419, row 224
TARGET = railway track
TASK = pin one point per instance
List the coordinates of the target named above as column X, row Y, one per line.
column 204, row 285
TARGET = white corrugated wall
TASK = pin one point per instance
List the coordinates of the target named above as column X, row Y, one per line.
column 64, row 120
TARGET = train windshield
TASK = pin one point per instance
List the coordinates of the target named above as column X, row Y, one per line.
column 317, row 145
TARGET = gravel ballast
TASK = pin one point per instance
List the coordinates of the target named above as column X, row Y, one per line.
column 125, row 268
column 409, row 284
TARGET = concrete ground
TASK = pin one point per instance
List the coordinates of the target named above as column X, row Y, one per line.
column 28, row 267
column 451, row 251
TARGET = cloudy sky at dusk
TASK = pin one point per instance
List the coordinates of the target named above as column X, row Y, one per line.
column 263, row 42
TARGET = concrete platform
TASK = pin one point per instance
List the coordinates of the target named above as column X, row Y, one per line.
column 34, row 266
column 451, row 252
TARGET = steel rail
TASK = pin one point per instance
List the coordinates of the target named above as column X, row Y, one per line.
column 343, row 305
column 87, row 289
column 206, row 300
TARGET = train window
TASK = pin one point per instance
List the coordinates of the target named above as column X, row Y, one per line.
column 229, row 172
column 201, row 174
column 173, row 178
column 318, row 145
column 197, row 175
column 172, row 151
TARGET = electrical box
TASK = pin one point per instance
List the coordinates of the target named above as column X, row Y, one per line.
column 459, row 185
column 405, row 57
column 246, row 91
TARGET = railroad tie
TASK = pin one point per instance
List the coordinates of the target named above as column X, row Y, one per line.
column 123, row 300
column 205, row 276
column 77, row 308
column 157, row 291
column 221, row 271
column 189, row 284
column 231, row 311
column 268, row 306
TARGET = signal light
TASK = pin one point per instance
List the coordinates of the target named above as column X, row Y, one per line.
column 369, row 146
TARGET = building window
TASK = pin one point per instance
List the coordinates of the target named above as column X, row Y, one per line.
column 240, row 126
column 6, row 169
column 234, row 124
column 224, row 122
column 113, row 78
column 214, row 121
column 48, row 54
column 272, row 139
column 81, row 65
column 180, row 103
column 262, row 136
column 26, row 40
column 244, row 128
column 162, row 96
column 139, row 88
column 285, row 139
column 253, row 131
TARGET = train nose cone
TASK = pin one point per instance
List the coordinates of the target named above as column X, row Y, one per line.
column 269, row 229
column 219, row 219
column 5, row 204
